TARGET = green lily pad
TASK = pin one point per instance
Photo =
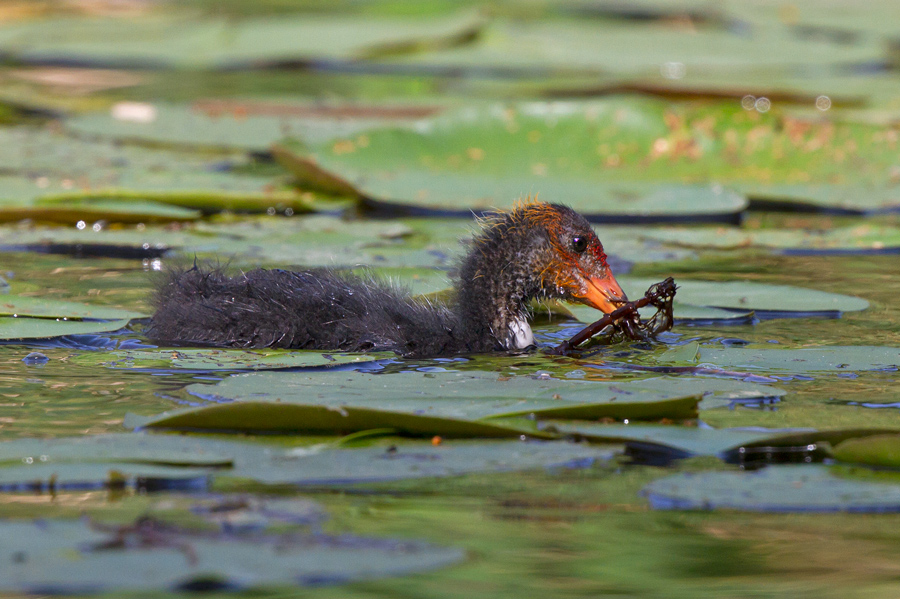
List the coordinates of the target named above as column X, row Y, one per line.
column 684, row 313
column 686, row 442
column 450, row 404
column 176, row 205
column 63, row 557
column 595, row 46
column 601, row 202
column 74, row 211
column 339, row 467
column 38, row 328
column 841, row 199
column 116, row 460
column 879, row 450
column 217, row 359
column 51, row 177
column 245, row 126
column 807, row 488
column 167, row 450
column 480, row 159
column 806, row 360
column 766, row 300
column 162, row 41
column 18, row 305
column 854, row 238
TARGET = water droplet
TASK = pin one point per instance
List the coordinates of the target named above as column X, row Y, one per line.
column 823, row 103
column 80, row 225
column 763, row 104
column 748, row 102
column 35, row 358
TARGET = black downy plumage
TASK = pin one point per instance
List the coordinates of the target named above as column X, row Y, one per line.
column 536, row 250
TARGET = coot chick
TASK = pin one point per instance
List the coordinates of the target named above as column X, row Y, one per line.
column 536, row 250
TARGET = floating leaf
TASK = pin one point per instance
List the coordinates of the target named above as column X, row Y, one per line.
column 74, row 210
column 722, row 443
column 858, row 238
column 808, row 359
column 880, row 450
column 139, row 449
column 218, row 359
column 449, row 404
column 768, row 301
column 11, row 305
column 134, row 205
column 160, row 460
column 467, row 162
column 595, row 46
column 684, row 313
column 36, row 328
column 316, row 467
column 834, row 199
column 807, row 488
column 62, row 557
column 246, row 126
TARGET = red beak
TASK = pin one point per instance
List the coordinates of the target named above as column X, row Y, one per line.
column 603, row 293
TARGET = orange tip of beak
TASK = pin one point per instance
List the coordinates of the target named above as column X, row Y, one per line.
column 603, row 293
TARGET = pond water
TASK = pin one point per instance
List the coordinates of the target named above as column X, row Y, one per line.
column 745, row 144
column 568, row 533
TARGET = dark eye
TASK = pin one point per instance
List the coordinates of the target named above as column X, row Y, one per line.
column 579, row 244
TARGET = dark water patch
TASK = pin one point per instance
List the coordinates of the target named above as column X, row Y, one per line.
column 91, row 250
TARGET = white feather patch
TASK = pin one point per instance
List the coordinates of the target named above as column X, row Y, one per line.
column 520, row 334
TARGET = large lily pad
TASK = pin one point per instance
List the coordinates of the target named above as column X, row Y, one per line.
column 62, row 557
column 805, row 360
column 851, row 239
column 808, row 488
column 38, row 328
column 766, row 300
column 451, row 404
column 58, row 178
column 245, row 126
column 18, row 305
column 596, row 46
column 138, row 449
column 160, row 460
column 318, row 467
column 217, row 359
column 482, row 159
column 162, row 41
column 684, row 313
column 836, row 199
column 685, row 442
column 879, row 450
